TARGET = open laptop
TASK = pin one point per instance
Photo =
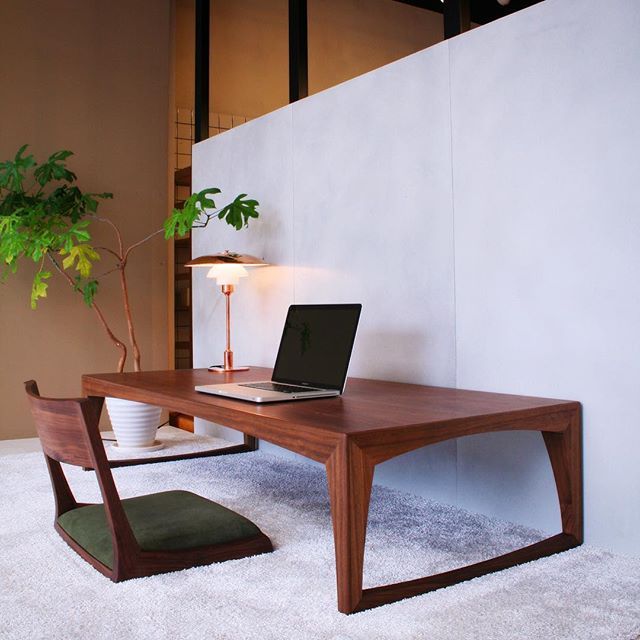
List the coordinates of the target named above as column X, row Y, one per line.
column 313, row 357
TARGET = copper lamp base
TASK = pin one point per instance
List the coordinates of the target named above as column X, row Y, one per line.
column 228, row 364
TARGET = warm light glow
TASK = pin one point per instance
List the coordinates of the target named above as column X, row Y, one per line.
column 227, row 273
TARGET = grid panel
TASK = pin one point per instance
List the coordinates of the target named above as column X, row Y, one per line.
column 185, row 128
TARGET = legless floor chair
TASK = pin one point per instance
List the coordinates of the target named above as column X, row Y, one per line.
column 139, row 536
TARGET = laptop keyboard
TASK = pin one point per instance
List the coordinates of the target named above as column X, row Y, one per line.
column 274, row 386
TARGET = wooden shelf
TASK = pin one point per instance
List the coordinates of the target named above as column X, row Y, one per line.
column 183, row 329
column 183, row 177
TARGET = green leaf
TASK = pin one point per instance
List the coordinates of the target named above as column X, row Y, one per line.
column 89, row 291
column 82, row 256
column 91, row 203
column 39, row 287
column 80, row 231
column 54, row 169
column 50, row 216
column 181, row 220
column 239, row 212
column 171, row 224
column 12, row 172
column 203, row 201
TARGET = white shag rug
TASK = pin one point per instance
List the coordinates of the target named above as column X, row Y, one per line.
column 175, row 441
column 48, row 592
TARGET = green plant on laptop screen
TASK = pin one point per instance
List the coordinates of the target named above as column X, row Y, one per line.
column 47, row 219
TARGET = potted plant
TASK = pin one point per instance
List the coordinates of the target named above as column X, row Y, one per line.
column 47, row 219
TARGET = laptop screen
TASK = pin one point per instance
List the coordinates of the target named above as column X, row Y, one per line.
column 316, row 345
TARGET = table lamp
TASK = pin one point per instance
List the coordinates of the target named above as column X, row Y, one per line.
column 227, row 268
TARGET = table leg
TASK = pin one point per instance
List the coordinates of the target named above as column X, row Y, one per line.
column 350, row 476
column 565, row 453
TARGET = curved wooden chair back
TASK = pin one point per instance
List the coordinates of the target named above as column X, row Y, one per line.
column 68, row 431
column 65, row 427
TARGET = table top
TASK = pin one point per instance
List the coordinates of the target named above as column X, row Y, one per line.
column 366, row 406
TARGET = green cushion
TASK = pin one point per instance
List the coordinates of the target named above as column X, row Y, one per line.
column 160, row 522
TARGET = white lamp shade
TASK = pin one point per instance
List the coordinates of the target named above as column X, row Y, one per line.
column 227, row 273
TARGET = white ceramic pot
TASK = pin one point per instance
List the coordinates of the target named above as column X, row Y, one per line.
column 134, row 424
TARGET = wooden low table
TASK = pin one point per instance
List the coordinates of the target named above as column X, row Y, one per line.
column 373, row 422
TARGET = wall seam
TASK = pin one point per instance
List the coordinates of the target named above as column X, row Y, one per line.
column 293, row 206
column 453, row 253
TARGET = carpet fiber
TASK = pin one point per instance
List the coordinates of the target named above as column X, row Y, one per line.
column 47, row 591
column 175, row 441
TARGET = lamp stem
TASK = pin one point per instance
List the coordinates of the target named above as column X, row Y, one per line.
column 227, row 289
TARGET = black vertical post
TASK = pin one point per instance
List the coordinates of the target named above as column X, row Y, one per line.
column 298, row 50
column 457, row 17
column 202, row 71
